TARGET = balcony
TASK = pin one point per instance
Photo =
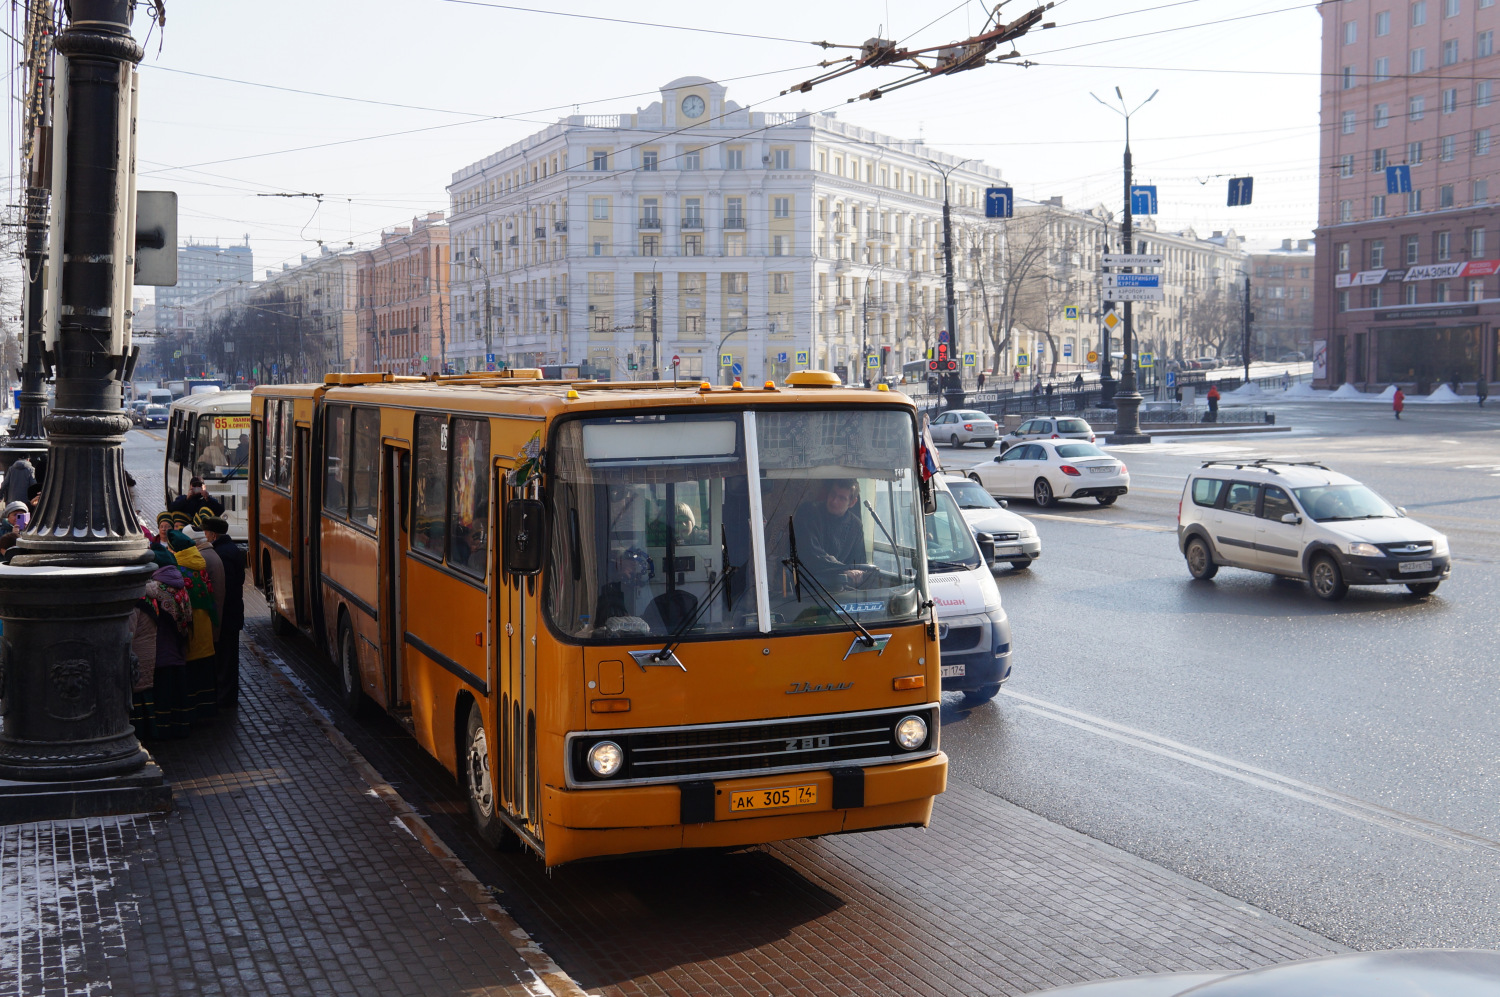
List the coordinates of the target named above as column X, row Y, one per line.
column 693, row 222
column 540, row 304
column 653, row 224
column 562, row 301
column 843, row 303
column 734, row 222
column 514, row 240
column 540, row 231
column 513, row 309
column 559, row 226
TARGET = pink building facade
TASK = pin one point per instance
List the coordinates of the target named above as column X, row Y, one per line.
column 1407, row 272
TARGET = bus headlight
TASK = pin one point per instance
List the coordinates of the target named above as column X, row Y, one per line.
column 605, row 759
column 911, row 733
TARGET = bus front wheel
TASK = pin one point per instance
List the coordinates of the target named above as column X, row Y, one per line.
column 280, row 625
column 479, row 786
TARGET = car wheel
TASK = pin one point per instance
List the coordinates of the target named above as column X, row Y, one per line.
column 1020, row 565
column 1105, row 499
column 350, row 691
column 1042, row 492
column 1004, row 446
column 989, row 443
column 1421, row 589
column 985, row 693
column 1200, row 560
column 479, row 786
column 953, row 441
column 975, row 478
column 1327, row 581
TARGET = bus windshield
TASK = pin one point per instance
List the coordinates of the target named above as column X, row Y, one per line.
column 648, row 511
column 221, row 448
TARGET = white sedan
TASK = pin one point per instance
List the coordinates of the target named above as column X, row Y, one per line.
column 1048, row 470
column 1015, row 538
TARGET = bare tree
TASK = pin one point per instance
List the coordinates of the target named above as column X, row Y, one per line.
column 1002, row 280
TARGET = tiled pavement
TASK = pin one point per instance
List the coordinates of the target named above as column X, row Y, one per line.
column 280, row 871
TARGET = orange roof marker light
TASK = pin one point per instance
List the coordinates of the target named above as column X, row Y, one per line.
column 572, row 394
column 813, row 379
column 736, row 386
column 770, row 386
column 705, row 386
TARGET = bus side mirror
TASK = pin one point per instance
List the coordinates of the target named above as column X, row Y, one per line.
column 986, row 547
column 523, row 536
column 929, row 497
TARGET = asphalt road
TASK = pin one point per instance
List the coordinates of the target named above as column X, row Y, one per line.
column 1335, row 764
column 1332, row 764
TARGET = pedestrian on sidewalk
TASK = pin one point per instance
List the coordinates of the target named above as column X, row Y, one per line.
column 1049, row 397
column 981, row 380
column 232, row 612
column 1398, row 402
column 19, row 477
column 1213, row 403
column 171, row 614
column 1017, row 372
column 1078, row 382
column 201, row 662
column 1481, row 389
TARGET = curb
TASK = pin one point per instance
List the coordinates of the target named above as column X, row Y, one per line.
column 548, row 975
column 1219, row 431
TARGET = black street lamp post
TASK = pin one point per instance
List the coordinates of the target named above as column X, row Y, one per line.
column 65, row 597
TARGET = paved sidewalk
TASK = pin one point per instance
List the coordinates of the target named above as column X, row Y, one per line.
column 280, row 871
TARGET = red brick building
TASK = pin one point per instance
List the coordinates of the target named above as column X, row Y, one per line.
column 404, row 325
column 1407, row 283
column 1282, row 299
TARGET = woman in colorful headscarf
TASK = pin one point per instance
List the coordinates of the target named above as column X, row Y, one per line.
column 160, row 626
column 200, row 650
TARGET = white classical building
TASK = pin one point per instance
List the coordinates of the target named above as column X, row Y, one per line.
column 772, row 240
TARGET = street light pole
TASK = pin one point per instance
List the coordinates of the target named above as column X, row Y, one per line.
column 68, row 592
column 1128, row 399
column 1245, row 353
column 954, row 391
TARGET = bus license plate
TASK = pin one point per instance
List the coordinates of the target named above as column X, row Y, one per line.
column 951, row 671
column 772, row 799
column 1414, row 567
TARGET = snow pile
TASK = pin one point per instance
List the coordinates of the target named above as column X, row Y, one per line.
column 1247, row 392
column 1348, row 392
column 1304, row 390
column 1444, row 395
column 1388, row 393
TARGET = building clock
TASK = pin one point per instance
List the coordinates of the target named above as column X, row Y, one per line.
column 692, row 106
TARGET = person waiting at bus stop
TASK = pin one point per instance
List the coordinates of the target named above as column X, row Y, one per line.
column 195, row 498
column 231, row 608
column 831, row 534
column 1213, row 403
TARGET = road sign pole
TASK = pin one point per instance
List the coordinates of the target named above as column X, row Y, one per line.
column 1128, row 399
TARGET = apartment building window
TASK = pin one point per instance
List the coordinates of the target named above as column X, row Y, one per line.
column 692, row 244
column 1414, row 153
column 734, row 244
column 1346, row 165
column 1486, row 3
column 649, row 160
column 1412, row 250
column 1450, row 100
column 692, row 212
column 598, row 247
column 1343, row 301
column 1343, row 257
column 1476, row 289
column 1382, row 69
column 781, row 207
column 1450, row 52
column 650, row 212
column 734, row 212
column 1482, row 142
column 781, row 245
column 1346, row 122
column 1443, row 246
column 1445, row 196
column 1417, row 60
column 601, row 322
column 1484, row 44
column 1450, row 8
column 602, row 283
column 601, row 208
column 1414, row 201
column 650, row 245
column 1375, row 296
column 1480, row 192
column 1481, row 93
column 1348, row 78
column 1410, row 294
column 1419, row 13
column 1379, row 160
column 1346, row 211
column 1476, row 243
column 1351, row 32
column 1445, row 148
column 1377, row 206
column 735, row 283
column 692, row 324
column 734, row 159
column 692, row 159
column 822, row 162
column 781, row 159
column 781, row 283
column 601, row 160
column 1440, row 291
column 1418, row 108
column 1382, row 115
column 1377, row 254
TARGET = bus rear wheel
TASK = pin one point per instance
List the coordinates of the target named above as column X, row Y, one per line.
column 350, row 692
column 280, row 625
column 479, row 786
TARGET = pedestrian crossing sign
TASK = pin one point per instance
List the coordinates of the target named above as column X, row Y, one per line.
column 1022, row 360
column 872, row 361
column 1147, row 360
column 802, row 358
column 726, row 359
column 968, row 359
column 1070, row 313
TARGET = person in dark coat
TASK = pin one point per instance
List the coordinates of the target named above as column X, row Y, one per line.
column 831, row 535
column 19, row 477
column 232, row 617
column 1213, row 403
column 1481, row 390
column 195, row 498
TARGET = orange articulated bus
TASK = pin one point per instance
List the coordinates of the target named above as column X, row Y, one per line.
column 628, row 617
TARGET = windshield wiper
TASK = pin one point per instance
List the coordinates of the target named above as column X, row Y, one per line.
column 896, row 548
column 233, row 470
column 820, row 594
column 675, row 637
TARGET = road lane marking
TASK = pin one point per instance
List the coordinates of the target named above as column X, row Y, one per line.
column 147, row 432
column 1086, row 521
column 1328, row 799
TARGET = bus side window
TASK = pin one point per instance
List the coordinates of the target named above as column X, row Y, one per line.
column 429, row 501
column 284, row 446
column 469, row 511
column 336, row 461
column 364, row 471
column 269, row 435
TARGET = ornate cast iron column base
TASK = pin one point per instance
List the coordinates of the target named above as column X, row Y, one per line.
column 64, row 654
column 1127, row 419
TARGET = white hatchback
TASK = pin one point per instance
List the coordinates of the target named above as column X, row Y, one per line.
column 1048, row 470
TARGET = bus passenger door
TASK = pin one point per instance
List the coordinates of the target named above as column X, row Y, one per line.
column 304, row 570
column 396, row 486
column 515, row 672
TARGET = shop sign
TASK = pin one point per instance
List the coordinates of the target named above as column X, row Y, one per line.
column 1407, row 314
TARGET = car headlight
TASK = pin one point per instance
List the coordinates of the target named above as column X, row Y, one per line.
column 605, row 759
column 911, row 733
column 1440, row 546
column 1365, row 550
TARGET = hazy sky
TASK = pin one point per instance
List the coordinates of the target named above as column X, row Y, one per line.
column 1238, row 82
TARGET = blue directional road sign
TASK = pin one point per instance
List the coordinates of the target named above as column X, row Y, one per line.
column 489, row 358
column 1132, row 280
column 1067, row 349
column 999, row 202
column 1240, row 189
column 1398, row 179
column 739, row 369
column 1171, row 379
column 1143, row 200
column 781, row 358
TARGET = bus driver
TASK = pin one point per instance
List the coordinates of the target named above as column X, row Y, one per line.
column 831, row 534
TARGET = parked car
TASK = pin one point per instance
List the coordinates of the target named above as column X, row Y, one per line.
column 1048, row 470
column 973, row 630
column 1296, row 356
column 1302, row 520
column 1048, row 428
column 1012, row 537
column 960, row 426
column 1209, row 363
